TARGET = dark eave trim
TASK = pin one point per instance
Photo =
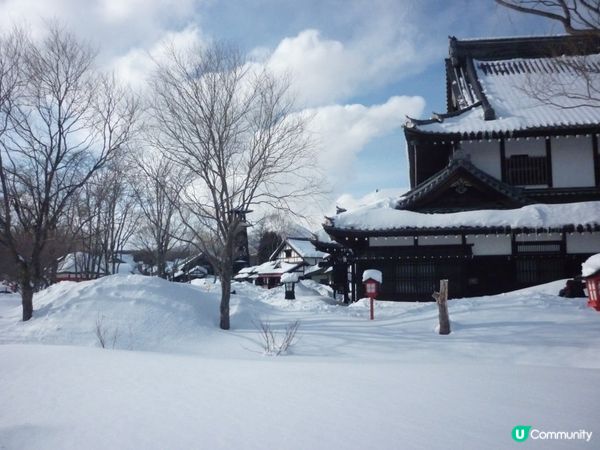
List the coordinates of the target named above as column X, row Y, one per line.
column 522, row 47
column 341, row 233
column 413, row 133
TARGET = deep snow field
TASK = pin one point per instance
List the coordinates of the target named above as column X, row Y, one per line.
column 170, row 379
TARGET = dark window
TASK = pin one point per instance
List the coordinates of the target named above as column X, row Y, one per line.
column 535, row 271
column 417, row 280
column 288, row 253
column 522, row 170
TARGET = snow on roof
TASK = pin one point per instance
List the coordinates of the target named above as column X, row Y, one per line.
column 305, row 248
column 516, row 90
column 76, row 262
column 385, row 217
column 80, row 262
column 349, row 202
column 373, row 275
column 591, row 266
column 275, row 268
column 245, row 273
column 312, row 270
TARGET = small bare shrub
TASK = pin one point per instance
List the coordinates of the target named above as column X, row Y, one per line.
column 274, row 344
column 104, row 335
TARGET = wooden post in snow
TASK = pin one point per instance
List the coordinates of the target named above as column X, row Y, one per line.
column 442, row 300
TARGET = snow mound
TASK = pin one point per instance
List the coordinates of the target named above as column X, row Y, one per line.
column 133, row 312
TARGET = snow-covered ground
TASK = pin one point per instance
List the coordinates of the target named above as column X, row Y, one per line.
column 174, row 380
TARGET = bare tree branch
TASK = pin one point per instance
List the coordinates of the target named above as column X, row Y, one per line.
column 578, row 17
column 232, row 129
column 64, row 122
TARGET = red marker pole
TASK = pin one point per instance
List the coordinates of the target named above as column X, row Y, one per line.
column 372, row 308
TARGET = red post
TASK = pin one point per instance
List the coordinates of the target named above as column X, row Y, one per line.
column 372, row 308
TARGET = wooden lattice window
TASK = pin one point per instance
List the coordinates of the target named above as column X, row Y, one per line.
column 524, row 170
column 539, row 247
column 543, row 270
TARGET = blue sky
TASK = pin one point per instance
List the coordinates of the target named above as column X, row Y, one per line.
column 358, row 66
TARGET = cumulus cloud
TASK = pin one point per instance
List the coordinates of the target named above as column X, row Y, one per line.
column 328, row 70
column 114, row 25
column 342, row 131
column 134, row 66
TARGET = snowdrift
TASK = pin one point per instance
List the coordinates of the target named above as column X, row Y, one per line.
column 132, row 311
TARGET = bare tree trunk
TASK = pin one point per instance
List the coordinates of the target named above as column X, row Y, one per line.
column 27, row 300
column 225, row 296
column 441, row 298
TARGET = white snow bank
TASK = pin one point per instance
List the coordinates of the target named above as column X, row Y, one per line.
column 591, row 265
column 384, row 217
column 144, row 313
column 373, row 274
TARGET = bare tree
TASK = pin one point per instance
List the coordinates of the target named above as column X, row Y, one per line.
column 63, row 124
column 578, row 17
column 155, row 186
column 572, row 78
column 231, row 128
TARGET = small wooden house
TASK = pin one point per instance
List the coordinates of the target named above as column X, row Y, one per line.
column 302, row 251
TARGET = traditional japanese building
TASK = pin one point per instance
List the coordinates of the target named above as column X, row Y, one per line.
column 295, row 255
column 505, row 186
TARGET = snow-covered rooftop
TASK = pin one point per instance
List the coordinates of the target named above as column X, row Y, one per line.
column 274, row 268
column 385, row 217
column 305, row 248
column 528, row 93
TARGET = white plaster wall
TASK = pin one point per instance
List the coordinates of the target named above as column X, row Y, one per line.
column 572, row 162
column 440, row 240
column 490, row 245
column 583, row 243
column 485, row 156
column 531, row 147
column 391, row 241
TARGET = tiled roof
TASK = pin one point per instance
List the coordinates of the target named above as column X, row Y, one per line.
column 524, row 93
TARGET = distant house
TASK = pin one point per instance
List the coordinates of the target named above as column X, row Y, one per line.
column 294, row 255
column 269, row 273
column 505, row 186
column 191, row 268
column 300, row 250
column 82, row 266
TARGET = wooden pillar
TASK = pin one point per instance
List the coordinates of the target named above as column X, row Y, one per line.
column 442, row 301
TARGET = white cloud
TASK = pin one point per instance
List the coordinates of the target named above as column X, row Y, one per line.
column 342, row 131
column 134, row 66
column 327, row 70
column 115, row 26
